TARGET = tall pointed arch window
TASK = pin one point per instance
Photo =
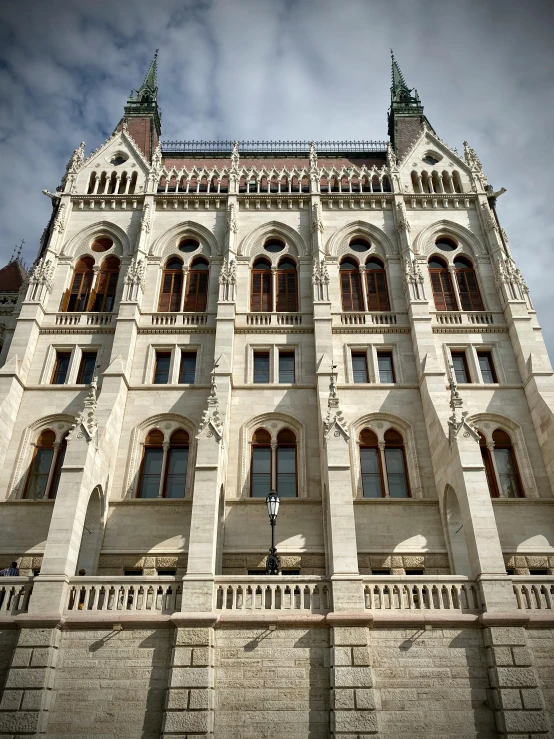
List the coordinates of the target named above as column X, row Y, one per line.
column 468, row 289
column 103, row 297
column 286, row 464
column 383, row 466
column 376, row 281
column 260, row 470
column 46, row 466
column 441, row 283
column 261, row 295
column 501, row 466
column 172, row 286
column 163, row 471
column 273, row 465
column 77, row 298
column 350, row 287
column 287, row 287
column 196, row 298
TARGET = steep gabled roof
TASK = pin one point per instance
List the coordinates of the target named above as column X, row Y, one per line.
column 12, row 276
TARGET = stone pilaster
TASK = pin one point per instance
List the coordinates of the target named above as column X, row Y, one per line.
column 190, row 698
column 26, row 701
column 353, row 706
column 516, row 696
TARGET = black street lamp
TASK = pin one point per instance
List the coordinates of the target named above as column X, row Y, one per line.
column 273, row 563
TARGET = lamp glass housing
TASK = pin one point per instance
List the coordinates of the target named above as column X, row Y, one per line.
column 272, row 502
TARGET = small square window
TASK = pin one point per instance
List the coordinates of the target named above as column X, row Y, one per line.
column 386, row 367
column 415, row 572
column 167, row 573
column 539, row 571
column 161, row 370
column 187, row 371
column 261, row 367
column 461, row 370
column 61, row 368
column 380, row 572
column 510, row 571
column 487, row 368
column 256, row 572
column 86, row 368
column 132, row 573
column 290, row 572
column 359, row 367
column 286, row 367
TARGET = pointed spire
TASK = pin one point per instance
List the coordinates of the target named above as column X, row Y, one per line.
column 401, row 94
column 406, row 112
column 144, row 101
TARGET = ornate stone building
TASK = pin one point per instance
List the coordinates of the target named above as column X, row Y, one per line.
column 341, row 322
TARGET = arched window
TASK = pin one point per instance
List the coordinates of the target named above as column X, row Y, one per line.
column 470, row 297
column 260, row 474
column 441, row 282
column 261, row 296
column 77, row 298
column 273, row 465
column 377, row 292
column 163, row 471
column 103, row 296
column 503, row 475
column 172, row 286
column 395, row 463
column 286, row 464
column 350, row 286
column 489, row 467
column 287, row 290
column 371, row 465
column 46, row 466
column 196, row 298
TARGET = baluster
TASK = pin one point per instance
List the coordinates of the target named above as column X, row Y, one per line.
column 95, row 597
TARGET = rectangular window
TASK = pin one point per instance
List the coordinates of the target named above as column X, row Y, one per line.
column 380, row 572
column 167, row 573
column 86, row 368
column 151, row 472
column 396, row 473
column 161, row 371
column 286, row 472
column 261, row 471
column 286, row 367
column 415, row 572
column 187, row 371
column 261, row 367
column 539, row 571
column 359, row 367
column 386, row 367
column 132, row 573
column 61, row 368
column 487, row 368
column 371, row 472
column 461, row 370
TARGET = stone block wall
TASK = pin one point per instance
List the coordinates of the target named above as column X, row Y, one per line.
column 541, row 644
column 110, row 684
column 27, row 565
column 521, row 564
column 239, row 564
column 115, row 564
column 271, row 684
column 432, row 564
column 431, row 683
column 8, row 640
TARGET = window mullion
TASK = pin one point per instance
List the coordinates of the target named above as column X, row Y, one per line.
column 362, row 278
column 383, row 463
column 166, row 447
column 53, row 463
column 184, row 289
column 275, row 287
column 455, row 289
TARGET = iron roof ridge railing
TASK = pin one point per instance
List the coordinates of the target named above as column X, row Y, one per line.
column 274, row 147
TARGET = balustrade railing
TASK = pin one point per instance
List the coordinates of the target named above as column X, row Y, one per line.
column 124, row 594
column 91, row 319
column 179, row 319
column 99, row 319
column 472, row 318
column 534, row 594
column 15, row 593
column 269, row 319
column 272, row 593
column 421, row 594
column 359, row 318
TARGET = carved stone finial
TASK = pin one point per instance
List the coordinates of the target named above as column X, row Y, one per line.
column 334, row 417
column 458, row 421
column 86, row 423
column 211, row 421
column 391, row 157
column 232, row 218
column 157, row 163
column 314, row 169
column 317, row 220
column 145, row 223
column 235, row 158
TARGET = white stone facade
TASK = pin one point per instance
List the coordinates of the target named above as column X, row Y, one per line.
column 415, row 615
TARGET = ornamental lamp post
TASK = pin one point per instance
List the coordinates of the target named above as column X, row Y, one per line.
column 272, row 502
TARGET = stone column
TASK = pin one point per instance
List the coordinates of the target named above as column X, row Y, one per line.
column 353, row 699
column 190, row 698
column 27, row 697
column 517, row 699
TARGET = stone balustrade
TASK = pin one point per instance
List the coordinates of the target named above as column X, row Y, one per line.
column 534, row 593
column 15, row 593
column 81, row 319
column 361, row 318
column 125, row 594
column 468, row 318
column 272, row 593
column 272, row 319
column 420, row 593
column 178, row 319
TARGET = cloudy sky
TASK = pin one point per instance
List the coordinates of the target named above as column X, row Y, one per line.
column 283, row 69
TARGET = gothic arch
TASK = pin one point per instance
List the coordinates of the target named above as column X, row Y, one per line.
column 424, row 242
column 253, row 242
column 380, row 423
column 167, row 423
column 79, row 244
column 453, row 525
column 273, row 423
column 486, row 423
column 93, row 532
column 167, row 243
column 60, row 423
column 337, row 245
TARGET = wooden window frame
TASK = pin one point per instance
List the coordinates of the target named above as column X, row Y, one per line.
column 350, row 275
column 266, row 445
column 443, row 274
column 81, row 370
column 460, row 353
column 104, row 277
column 166, row 448
column 382, row 297
column 184, row 353
column 510, row 447
column 265, row 298
column 173, row 273
column 56, row 462
column 275, row 462
column 60, row 353
column 85, row 293
column 402, row 446
column 470, row 299
column 157, row 354
column 286, row 352
column 282, row 275
column 197, row 301
column 265, row 353
column 359, row 353
column 386, row 353
column 487, row 353
column 381, row 471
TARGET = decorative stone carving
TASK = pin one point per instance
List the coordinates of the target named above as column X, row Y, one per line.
column 235, row 158
column 402, row 221
column 39, row 281
column 392, row 161
column 317, row 220
column 228, row 280
column 413, row 280
column 58, row 225
column 232, row 219
column 86, row 423
column 320, row 280
column 314, row 169
column 211, row 421
column 134, row 278
column 334, row 418
column 490, row 221
column 457, row 422
column 145, row 223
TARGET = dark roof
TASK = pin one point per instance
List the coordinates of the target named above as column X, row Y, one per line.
column 12, row 277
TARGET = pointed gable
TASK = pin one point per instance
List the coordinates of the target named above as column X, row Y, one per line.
column 12, row 276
